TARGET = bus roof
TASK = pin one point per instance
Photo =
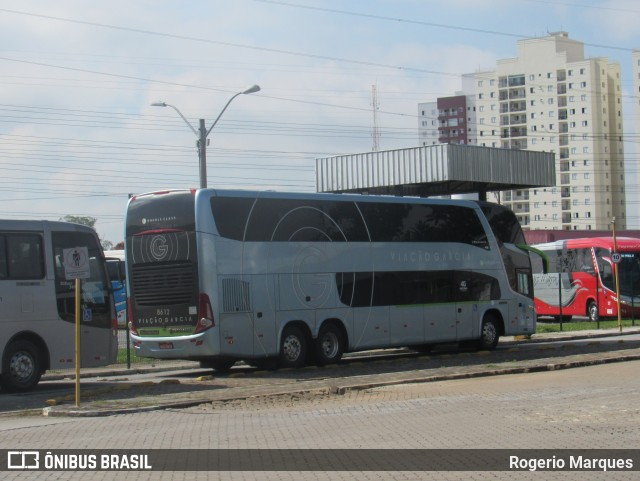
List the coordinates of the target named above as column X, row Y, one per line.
column 623, row 244
column 33, row 225
column 347, row 197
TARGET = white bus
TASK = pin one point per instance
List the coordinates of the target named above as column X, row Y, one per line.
column 37, row 327
column 220, row 276
column 118, row 276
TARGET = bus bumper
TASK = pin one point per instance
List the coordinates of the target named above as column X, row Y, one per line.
column 185, row 347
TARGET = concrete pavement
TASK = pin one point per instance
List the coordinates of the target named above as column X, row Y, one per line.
column 174, row 392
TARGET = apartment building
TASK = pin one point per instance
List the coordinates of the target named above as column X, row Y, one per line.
column 636, row 90
column 445, row 121
column 551, row 98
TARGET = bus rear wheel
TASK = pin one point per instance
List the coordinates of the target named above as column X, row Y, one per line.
column 21, row 367
column 329, row 345
column 490, row 333
column 592, row 311
column 293, row 348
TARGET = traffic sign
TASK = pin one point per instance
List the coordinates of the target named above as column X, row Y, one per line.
column 616, row 257
column 76, row 263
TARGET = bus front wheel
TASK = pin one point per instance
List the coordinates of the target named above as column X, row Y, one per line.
column 329, row 345
column 293, row 348
column 490, row 333
column 21, row 367
column 592, row 311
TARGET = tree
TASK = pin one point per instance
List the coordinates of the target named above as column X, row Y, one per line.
column 79, row 219
column 90, row 222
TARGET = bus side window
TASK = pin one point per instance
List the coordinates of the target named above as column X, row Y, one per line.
column 4, row 271
column 607, row 275
column 25, row 256
column 585, row 261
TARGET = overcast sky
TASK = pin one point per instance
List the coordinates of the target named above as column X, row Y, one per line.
column 78, row 134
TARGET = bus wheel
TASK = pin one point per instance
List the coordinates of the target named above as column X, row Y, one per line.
column 329, row 345
column 293, row 348
column 21, row 368
column 490, row 333
column 592, row 311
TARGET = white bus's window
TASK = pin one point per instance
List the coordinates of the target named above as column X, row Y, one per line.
column 25, row 256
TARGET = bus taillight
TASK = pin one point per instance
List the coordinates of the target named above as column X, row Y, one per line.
column 132, row 328
column 205, row 314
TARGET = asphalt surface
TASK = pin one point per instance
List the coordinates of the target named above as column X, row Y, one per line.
column 111, row 391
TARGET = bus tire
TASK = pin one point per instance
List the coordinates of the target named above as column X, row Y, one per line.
column 21, row 366
column 293, row 347
column 490, row 333
column 592, row 311
column 329, row 345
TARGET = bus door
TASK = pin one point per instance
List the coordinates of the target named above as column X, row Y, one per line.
column 467, row 294
column 440, row 309
column 263, row 325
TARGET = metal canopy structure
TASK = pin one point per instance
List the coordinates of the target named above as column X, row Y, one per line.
column 442, row 169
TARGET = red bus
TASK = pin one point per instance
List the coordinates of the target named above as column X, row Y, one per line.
column 580, row 278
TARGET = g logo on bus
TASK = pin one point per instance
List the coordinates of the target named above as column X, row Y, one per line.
column 158, row 247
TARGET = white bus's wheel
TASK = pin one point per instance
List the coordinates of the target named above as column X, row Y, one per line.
column 490, row 334
column 329, row 345
column 293, row 348
column 21, row 368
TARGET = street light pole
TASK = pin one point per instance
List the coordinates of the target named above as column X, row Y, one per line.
column 202, row 133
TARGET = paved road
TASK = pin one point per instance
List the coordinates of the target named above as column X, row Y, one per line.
column 594, row 406
column 117, row 392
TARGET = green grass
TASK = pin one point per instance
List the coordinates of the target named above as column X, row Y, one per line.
column 583, row 325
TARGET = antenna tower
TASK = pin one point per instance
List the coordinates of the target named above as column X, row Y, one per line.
column 375, row 105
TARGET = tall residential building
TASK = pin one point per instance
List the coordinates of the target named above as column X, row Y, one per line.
column 636, row 91
column 551, row 98
column 446, row 121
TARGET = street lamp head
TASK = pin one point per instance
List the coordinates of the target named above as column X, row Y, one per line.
column 252, row 89
column 159, row 104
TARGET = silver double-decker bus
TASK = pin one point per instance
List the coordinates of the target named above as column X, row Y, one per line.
column 220, row 276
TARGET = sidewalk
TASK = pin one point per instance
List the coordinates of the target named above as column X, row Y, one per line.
column 173, row 393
